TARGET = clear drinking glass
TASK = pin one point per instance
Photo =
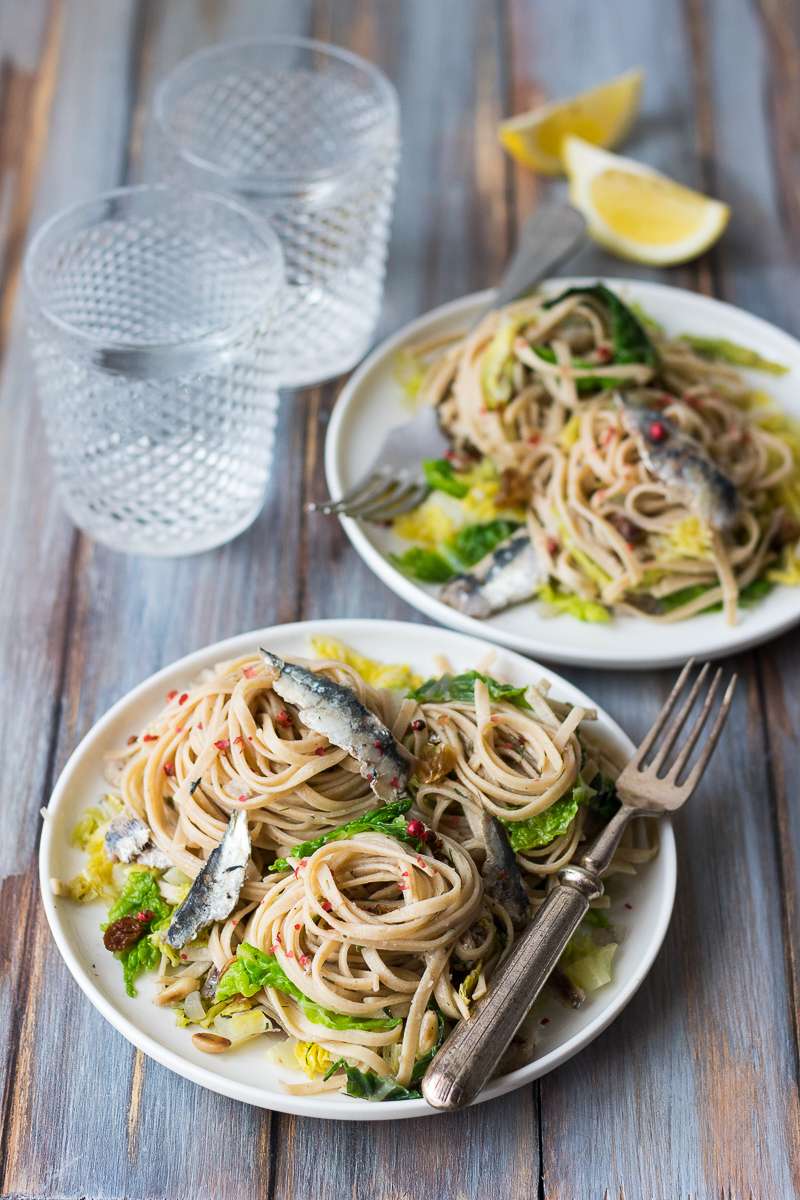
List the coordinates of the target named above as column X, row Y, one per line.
column 308, row 135
column 152, row 317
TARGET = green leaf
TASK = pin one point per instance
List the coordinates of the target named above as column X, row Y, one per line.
column 543, row 828
column 604, row 800
column 425, row 1060
column 573, row 604
column 587, row 383
column 442, row 477
column 254, row 970
column 388, row 818
column 474, row 542
column 755, row 591
column 723, row 350
column 644, row 318
column 585, row 964
column 462, row 688
column 628, row 336
column 140, row 894
column 141, row 957
column 597, row 918
column 426, row 565
column 367, row 1085
column 751, row 594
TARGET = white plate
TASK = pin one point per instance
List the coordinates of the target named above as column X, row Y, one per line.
column 247, row 1074
column 372, row 402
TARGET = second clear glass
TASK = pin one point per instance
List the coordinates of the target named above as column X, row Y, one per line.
column 307, row 134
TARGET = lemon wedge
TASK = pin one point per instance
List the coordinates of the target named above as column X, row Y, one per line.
column 602, row 116
column 637, row 212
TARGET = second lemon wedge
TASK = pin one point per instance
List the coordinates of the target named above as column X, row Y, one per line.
column 637, row 212
column 601, row 116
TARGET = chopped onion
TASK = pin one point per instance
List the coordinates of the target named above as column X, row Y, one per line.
column 193, row 1007
column 241, row 1026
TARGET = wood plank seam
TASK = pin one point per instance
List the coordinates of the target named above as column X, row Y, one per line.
column 20, row 1008
column 47, row 69
column 783, row 855
column 706, row 269
column 784, row 95
column 512, row 220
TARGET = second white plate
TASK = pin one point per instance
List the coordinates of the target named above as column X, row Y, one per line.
column 372, row 402
column 641, row 908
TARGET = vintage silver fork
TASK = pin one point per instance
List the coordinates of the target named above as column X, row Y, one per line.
column 395, row 483
column 470, row 1055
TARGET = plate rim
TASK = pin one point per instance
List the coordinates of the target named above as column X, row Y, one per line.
column 611, row 658
column 322, row 1106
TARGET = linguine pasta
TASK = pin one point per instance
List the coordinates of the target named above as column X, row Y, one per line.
column 361, row 930
column 540, row 395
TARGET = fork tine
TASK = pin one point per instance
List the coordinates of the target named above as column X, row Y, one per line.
column 696, row 730
column 402, row 502
column 658, row 724
column 372, row 486
column 693, row 778
column 670, row 737
column 392, row 493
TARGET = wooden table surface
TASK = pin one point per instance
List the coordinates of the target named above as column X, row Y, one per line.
column 693, row 1091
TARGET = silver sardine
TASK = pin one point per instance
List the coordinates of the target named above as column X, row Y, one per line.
column 507, row 575
column 334, row 710
column 680, row 462
column 502, row 877
column 129, row 840
column 216, row 889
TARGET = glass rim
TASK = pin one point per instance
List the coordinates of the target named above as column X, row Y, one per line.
column 276, row 181
column 217, row 335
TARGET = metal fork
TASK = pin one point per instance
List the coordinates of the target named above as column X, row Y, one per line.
column 396, row 484
column 646, row 789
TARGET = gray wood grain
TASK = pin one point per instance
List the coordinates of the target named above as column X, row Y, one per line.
column 686, row 1048
column 693, row 1092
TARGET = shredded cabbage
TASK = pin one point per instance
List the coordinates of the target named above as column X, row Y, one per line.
column 496, row 382
column 101, row 878
column 409, row 372
column 378, row 674
column 313, row 1058
column 241, row 1027
column 690, row 537
column 724, row 350
column 429, row 524
column 468, row 985
column 570, row 433
column 479, row 501
column 570, row 602
column 554, row 821
column 587, row 965
column 788, row 570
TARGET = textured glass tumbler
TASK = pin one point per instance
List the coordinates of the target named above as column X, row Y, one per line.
column 152, row 318
column 307, row 134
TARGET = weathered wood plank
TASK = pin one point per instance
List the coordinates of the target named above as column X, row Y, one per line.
column 694, row 1089
column 449, row 238
column 35, row 540
column 657, row 1096
column 769, row 282
column 125, row 619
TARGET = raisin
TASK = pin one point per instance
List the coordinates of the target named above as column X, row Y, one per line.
column 630, row 531
column 123, row 933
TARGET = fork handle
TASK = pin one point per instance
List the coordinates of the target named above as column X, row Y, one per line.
column 469, row 1056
